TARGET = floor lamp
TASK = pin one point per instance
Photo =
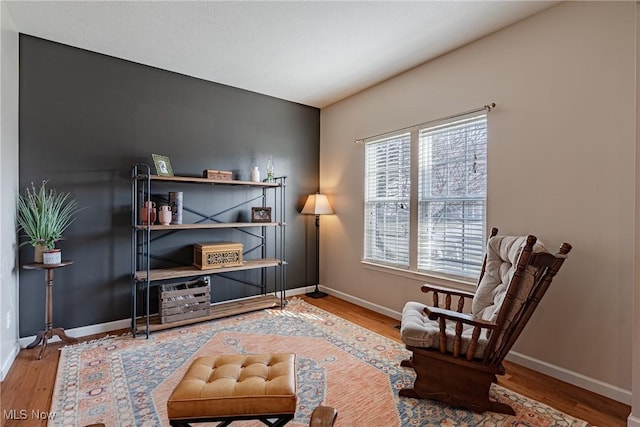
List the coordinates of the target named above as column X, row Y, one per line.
column 317, row 204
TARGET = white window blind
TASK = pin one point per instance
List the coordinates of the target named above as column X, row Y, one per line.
column 387, row 200
column 452, row 196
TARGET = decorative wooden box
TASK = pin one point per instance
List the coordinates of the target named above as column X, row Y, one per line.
column 215, row 174
column 187, row 300
column 217, row 255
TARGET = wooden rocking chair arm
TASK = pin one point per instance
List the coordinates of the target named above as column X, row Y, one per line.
column 435, row 313
column 440, row 289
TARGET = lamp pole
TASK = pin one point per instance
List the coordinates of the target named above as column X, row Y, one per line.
column 317, row 204
column 317, row 293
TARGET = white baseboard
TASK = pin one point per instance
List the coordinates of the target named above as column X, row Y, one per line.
column 571, row 377
column 299, row 291
column 633, row 421
column 8, row 362
column 83, row 331
column 363, row 303
column 557, row 372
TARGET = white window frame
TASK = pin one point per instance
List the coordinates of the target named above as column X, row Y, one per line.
column 467, row 269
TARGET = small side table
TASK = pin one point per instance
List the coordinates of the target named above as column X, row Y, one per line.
column 49, row 331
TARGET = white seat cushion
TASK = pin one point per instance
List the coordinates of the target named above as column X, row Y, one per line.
column 418, row 331
column 502, row 255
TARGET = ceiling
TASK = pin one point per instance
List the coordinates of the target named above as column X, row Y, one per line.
column 310, row 52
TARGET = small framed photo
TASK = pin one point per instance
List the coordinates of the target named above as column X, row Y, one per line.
column 260, row 214
column 163, row 165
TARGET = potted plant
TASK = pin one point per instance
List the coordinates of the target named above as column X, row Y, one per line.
column 43, row 215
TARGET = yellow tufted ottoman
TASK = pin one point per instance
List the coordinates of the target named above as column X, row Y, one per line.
column 227, row 388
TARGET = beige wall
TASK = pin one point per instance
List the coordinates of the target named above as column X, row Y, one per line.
column 561, row 166
column 8, row 190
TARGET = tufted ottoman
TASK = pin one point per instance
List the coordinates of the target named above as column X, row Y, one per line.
column 233, row 387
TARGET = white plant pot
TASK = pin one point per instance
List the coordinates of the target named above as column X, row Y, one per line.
column 52, row 257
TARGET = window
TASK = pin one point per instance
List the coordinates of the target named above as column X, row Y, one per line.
column 427, row 213
column 387, row 200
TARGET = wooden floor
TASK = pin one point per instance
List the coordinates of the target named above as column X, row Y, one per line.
column 29, row 385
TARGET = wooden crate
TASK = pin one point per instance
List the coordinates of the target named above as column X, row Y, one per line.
column 187, row 300
column 217, row 255
column 216, row 174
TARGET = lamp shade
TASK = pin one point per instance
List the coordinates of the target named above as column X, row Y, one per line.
column 317, row 204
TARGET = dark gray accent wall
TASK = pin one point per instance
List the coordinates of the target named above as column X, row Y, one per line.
column 87, row 118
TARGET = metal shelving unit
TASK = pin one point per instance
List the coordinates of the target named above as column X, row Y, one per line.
column 143, row 276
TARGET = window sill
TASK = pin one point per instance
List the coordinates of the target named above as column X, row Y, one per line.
column 440, row 280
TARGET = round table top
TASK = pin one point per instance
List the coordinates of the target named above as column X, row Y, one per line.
column 41, row 266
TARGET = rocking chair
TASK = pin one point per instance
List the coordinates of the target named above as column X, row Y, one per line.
column 456, row 353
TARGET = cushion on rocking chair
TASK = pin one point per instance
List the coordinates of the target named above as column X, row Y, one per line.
column 502, row 255
column 418, row 330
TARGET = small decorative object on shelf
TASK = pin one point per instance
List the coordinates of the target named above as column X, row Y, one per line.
column 148, row 212
column 175, row 201
column 163, row 165
column 216, row 174
column 260, row 214
column 255, row 174
column 270, row 170
column 217, row 255
column 164, row 214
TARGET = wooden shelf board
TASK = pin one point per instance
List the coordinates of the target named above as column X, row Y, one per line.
column 218, row 310
column 186, row 271
column 208, row 225
column 212, row 181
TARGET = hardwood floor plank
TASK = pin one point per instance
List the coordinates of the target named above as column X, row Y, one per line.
column 30, row 382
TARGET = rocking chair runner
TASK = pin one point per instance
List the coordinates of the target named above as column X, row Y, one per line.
column 457, row 355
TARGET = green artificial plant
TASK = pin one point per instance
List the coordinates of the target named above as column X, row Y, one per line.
column 44, row 214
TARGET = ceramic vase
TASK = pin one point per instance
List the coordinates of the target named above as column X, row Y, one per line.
column 164, row 214
column 255, row 174
column 148, row 211
column 175, row 201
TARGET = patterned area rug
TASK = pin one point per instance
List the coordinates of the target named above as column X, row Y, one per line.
column 121, row 381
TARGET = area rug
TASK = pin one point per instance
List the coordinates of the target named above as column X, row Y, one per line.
column 124, row 381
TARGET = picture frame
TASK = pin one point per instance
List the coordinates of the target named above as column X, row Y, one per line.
column 260, row 214
column 163, row 165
